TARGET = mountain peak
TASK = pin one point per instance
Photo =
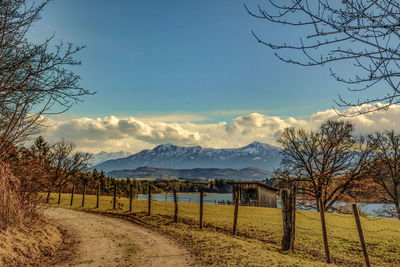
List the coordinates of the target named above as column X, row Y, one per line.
column 167, row 145
column 165, row 148
column 256, row 144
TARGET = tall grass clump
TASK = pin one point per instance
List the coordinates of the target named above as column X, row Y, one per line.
column 18, row 202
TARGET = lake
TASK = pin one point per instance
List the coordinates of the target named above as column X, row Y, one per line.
column 371, row 209
column 209, row 198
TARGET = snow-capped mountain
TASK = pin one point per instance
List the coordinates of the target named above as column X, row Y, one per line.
column 104, row 156
column 257, row 155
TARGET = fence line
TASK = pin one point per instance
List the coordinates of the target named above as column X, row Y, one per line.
column 235, row 215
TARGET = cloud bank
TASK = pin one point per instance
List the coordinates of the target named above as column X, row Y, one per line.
column 133, row 134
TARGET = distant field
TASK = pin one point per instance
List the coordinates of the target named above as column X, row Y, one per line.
column 260, row 233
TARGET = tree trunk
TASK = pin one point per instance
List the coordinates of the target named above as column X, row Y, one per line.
column 324, row 234
column 397, row 210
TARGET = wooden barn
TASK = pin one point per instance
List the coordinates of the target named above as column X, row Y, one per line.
column 255, row 193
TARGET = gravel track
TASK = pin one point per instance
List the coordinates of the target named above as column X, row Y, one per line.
column 105, row 241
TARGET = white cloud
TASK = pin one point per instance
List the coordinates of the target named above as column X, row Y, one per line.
column 133, row 134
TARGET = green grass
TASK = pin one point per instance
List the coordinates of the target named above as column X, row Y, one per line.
column 259, row 233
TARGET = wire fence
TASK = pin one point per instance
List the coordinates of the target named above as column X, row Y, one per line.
column 209, row 198
column 350, row 228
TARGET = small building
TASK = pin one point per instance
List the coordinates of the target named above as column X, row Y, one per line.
column 254, row 193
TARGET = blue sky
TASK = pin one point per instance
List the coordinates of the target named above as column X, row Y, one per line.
column 186, row 73
column 152, row 57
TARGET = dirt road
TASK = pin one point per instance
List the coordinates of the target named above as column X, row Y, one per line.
column 105, row 241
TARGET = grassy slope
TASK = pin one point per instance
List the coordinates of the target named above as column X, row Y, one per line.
column 25, row 246
column 260, row 232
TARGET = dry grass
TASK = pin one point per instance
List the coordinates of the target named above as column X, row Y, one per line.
column 26, row 238
column 11, row 212
column 18, row 203
column 260, row 233
column 21, row 246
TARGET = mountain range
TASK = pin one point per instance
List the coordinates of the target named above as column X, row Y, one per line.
column 197, row 173
column 256, row 155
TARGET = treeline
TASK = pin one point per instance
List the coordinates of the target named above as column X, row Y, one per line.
column 93, row 179
column 212, row 186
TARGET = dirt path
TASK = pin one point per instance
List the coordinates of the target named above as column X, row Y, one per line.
column 105, row 241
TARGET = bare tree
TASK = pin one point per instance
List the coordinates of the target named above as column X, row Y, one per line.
column 324, row 164
column 385, row 169
column 65, row 163
column 362, row 33
column 35, row 78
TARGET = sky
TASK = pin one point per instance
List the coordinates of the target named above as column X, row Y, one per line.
column 182, row 72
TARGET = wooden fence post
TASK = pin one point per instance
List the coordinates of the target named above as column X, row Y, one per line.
column 48, row 195
column 235, row 215
column 98, row 196
column 201, row 208
column 128, row 191
column 287, row 217
column 115, row 195
column 324, row 234
column 84, row 193
column 72, row 195
column 176, row 207
column 130, row 197
column 361, row 235
column 292, row 241
column 149, row 202
column 59, row 195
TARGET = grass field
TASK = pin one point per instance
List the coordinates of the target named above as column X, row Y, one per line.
column 259, row 233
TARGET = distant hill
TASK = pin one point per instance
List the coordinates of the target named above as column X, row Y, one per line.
column 257, row 155
column 198, row 173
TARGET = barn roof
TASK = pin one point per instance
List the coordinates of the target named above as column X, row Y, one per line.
column 254, row 182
